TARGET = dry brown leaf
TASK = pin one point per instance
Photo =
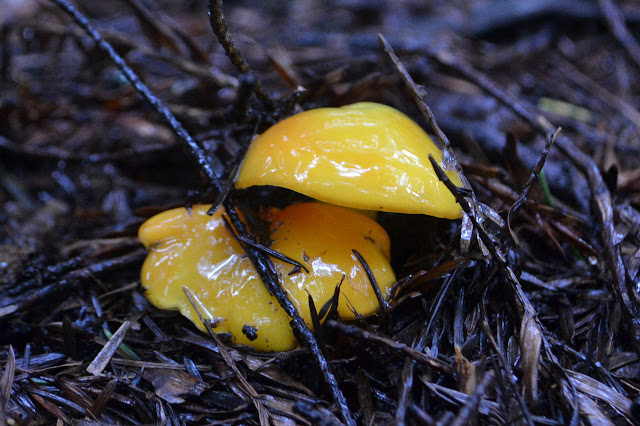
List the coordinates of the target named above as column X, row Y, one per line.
column 6, row 381
column 172, row 385
column 101, row 360
column 595, row 389
column 466, row 372
column 530, row 343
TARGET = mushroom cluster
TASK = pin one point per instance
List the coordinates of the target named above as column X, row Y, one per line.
column 365, row 156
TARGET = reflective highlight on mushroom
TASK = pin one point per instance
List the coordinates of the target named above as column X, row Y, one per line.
column 190, row 248
column 366, row 156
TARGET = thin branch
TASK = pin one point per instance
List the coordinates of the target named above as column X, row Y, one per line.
column 22, row 302
column 273, row 253
column 228, row 359
column 400, row 348
column 190, row 144
column 419, row 95
column 219, row 27
column 66, row 155
column 534, row 175
column 372, row 281
column 506, row 369
column 615, row 20
column 599, row 190
column 301, row 331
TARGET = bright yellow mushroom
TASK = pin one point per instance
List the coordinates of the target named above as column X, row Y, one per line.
column 190, row 248
column 365, row 156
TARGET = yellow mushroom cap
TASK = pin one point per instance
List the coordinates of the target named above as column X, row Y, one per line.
column 190, row 248
column 365, row 156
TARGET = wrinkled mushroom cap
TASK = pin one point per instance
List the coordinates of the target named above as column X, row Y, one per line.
column 190, row 248
column 365, row 156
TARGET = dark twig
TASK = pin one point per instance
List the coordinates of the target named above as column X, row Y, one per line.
column 330, row 308
column 222, row 195
column 228, row 359
column 301, row 331
column 505, row 369
column 534, row 175
column 497, row 255
column 5, row 58
column 239, row 109
column 449, row 161
column 46, row 275
column 443, row 292
column 615, row 20
column 409, row 364
column 530, row 328
column 219, row 27
column 466, row 198
column 613, row 101
column 524, row 308
column 372, row 281
column 22, row 302
column 62, row 154
column 315, row 321
column 192, row 147
column 418, row 95
column 599, row 190
column 272, row 253
column 200, row 70
column 166, row 30
column 401, row 348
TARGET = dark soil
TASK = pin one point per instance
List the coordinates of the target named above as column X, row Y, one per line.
column 525, row 312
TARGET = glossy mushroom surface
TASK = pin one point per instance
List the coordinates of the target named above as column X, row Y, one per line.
column 365, row 156
column 190, row 248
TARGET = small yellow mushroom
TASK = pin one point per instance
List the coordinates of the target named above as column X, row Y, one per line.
column 189, row 248
column 365, row 156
